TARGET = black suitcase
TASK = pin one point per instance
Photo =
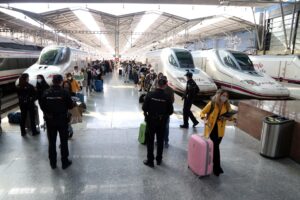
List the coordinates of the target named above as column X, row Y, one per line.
column 120, row 72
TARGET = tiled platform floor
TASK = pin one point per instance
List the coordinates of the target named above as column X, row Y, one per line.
column 107, row 161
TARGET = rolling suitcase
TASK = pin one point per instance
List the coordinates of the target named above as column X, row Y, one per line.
column 98, row 85
column 142, row 133
column 200, row 155
column 120, row 71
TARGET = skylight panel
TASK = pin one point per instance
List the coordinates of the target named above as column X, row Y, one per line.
column 145, row 22
column 88, row 20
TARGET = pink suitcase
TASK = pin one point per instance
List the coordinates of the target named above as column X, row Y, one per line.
column 200, row 155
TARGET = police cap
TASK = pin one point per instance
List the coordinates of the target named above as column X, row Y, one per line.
column 162, row 82
column 189, row 74
column 57, row 79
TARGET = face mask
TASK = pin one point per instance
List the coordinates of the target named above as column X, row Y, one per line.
column 223, row 98
column 69, row 78
column 39, row 80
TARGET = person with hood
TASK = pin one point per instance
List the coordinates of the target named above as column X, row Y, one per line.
column 41, row 86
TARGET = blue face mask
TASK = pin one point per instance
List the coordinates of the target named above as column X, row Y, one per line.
column 39, row 80
column 223, row 99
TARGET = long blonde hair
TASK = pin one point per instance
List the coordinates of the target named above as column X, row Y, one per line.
column 219, row 92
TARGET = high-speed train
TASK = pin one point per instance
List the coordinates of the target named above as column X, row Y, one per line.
column 174, row 63
column 234, row 72
column 279, row 67
column 14, row 59
column 57, row 60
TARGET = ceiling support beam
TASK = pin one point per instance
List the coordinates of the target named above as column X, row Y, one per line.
column 284, row 27
column 259, row 42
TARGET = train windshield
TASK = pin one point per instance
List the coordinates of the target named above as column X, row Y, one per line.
column 243, row 61
column 185, row 59
column 54, row 56
column 235, row 60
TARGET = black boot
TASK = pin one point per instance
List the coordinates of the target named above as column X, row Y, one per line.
column 148, row 163
column 66, row 164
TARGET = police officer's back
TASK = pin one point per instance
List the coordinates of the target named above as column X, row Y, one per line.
column 55, row 104
column 157, row 108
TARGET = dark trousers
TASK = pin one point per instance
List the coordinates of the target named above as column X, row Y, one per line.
column 25, row 109
column 187, row 113
column 53, row 127
column 155, row 127
column 216, row 140
column 167, row 130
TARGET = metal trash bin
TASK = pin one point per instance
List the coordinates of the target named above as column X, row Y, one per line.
column 276, row 136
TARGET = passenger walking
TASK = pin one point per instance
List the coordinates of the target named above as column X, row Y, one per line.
column 71, row 84
column 78, row 76
column 126, row 73
column 41, row 87
column 55, row 103
column 190, row 93
column 157, row 108
column 170, row 92
column 215, row 124
column 89, row 79
column 149, row 79
column 27, row 96
column 155, row 82
column 85, row 77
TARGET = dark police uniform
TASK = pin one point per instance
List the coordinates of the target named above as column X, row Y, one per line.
column 190, row 93
column 55, row 104
column 157, row 108
column 27, row 96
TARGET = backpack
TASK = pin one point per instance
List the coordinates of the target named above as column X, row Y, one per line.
column 14, row 117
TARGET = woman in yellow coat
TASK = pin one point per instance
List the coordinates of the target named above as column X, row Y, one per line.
column 215, row 124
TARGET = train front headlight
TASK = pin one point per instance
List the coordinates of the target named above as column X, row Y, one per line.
column 250, row 82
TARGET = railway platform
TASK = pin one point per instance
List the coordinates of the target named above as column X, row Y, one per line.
column 108, row 160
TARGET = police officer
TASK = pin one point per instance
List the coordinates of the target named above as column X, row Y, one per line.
column 190, row 93
column 27, row 96
column 157, row 108
column 55, row 104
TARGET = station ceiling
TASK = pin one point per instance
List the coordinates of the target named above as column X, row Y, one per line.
column 120, row 32
column 193, row 2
